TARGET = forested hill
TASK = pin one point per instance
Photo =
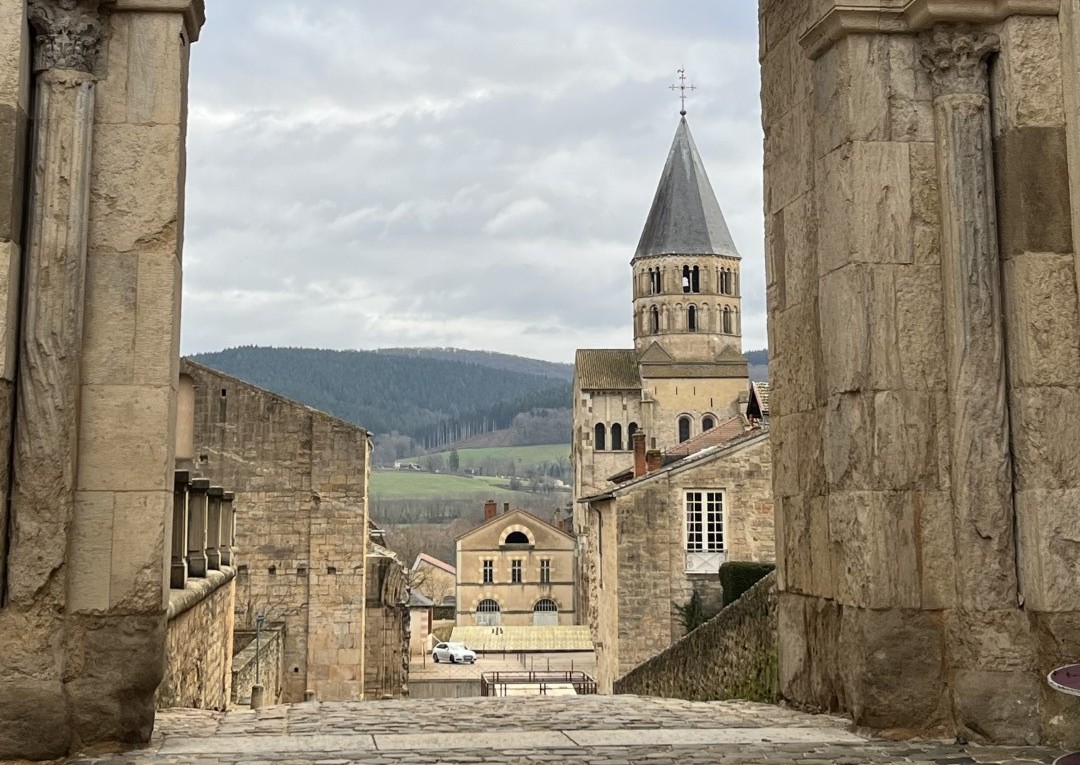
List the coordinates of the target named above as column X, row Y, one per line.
column 418, row 394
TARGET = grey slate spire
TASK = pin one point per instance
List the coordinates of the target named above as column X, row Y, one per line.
column 685, row 218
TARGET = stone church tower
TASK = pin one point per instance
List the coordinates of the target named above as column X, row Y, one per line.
column 686, row 373
column 686, row 268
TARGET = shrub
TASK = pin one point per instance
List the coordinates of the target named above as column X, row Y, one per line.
column 739, row 576
column 692, row 613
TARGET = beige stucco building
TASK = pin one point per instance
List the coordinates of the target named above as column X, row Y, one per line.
column 515, row 570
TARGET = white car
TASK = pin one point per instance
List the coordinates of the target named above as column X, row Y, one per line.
column 453, row 653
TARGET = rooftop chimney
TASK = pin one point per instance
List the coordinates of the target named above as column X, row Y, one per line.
column 491, row 508
column 506, row 508
column 654, row 460
column 638, row 440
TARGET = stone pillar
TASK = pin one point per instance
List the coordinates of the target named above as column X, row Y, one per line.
column 198, row 499
column 980, row 466
column 178, row 565
column 213, row 528
column 228, row 528
column 67, row 39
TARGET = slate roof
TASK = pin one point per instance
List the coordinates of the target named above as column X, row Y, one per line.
column 685, row 218
column 607, row 369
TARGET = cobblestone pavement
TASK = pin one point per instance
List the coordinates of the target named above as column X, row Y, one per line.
column 585, row 730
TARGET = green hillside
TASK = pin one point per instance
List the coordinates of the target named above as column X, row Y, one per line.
column 433, row 399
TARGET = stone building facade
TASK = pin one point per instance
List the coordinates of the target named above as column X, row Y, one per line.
column 922, row 200
column 300, row 479
column 661, row 535
column 515, row 570
column 91, row 215
column 684, row 378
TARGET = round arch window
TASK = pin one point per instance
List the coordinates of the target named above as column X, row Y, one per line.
column 684, row 429
column 707, row 422
column 517, row 538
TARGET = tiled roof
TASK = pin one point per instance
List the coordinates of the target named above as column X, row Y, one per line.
column 553, row 638
column 762, row 390
column 727, row 430
column 425, row 558
column 685, row 218
column 607, row 369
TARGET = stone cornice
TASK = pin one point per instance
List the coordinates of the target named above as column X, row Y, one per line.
column 194, row 11
column 67, row 33
column 884, row 17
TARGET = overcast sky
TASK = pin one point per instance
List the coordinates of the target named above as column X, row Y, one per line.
column 470, row 173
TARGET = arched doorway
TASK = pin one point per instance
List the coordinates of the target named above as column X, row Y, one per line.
column 545, row 613
column 488, row 613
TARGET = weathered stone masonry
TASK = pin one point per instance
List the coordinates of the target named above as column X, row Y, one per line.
column 91, row 214
column 300, row 478
column 925, row 337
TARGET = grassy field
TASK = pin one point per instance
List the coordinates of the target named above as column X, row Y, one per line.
column 408, row 484
column 524, row 456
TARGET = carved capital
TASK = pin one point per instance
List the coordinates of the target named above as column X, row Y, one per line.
column 67, row 33
column 955, row 56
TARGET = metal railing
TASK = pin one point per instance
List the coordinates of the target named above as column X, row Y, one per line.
column 498, row 683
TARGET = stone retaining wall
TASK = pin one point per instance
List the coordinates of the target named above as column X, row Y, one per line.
column 271, row 665
column 732, row 656
column 198, row 650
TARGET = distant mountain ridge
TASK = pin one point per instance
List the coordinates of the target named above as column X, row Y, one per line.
column 432, row 394
column 491, row 359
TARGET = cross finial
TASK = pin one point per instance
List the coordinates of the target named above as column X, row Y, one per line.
column 682, row 87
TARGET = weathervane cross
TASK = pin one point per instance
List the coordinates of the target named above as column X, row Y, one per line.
column 682, row 87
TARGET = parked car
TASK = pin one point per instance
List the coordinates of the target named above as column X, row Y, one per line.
column 453, row 653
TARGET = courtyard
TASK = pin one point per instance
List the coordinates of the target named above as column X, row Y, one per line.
column 598, row 730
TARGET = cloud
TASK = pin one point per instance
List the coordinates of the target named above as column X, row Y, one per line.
column 452, row 173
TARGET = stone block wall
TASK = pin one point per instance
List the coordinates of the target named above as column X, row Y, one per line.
column 924, row 349
column 199, row 644
column 732, row 656
column 269, row 670
column 99, row 190
column 300, row 478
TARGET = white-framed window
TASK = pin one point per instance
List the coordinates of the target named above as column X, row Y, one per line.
column 515, row 571
column 489, row 572
column 704, row 530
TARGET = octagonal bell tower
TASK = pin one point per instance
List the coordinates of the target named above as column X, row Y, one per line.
column 686, row 268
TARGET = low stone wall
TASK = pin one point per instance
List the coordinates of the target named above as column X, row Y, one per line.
column 732, row 656
column 271, row 664
column 198, row 649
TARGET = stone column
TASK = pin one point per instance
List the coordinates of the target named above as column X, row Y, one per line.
column 981, row 468
column 178, row 565
column 228, row 529
column 196, row 539
column 68, row 36
column 213, row 528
